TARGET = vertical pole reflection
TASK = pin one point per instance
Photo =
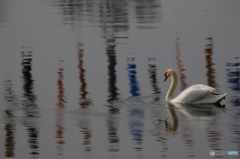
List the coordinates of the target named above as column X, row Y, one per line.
column 60, row 114
column 112, row 80
column 84, row 101
column 113, row 95
column 210, row 70
column 147, row 11
column 187, row 133
column 114, row 17
column 29, row 102
column 153, row 76
column 157, row 122
column 180, row 66
column 135, row 123
column 134, row 88
column 114, row 24
column 9, row 118
column 10, row 133
column 213, row 135
column 233, row 79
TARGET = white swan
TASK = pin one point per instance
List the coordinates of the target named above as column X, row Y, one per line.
column 196, row 94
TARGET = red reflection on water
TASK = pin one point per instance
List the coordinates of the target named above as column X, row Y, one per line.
column 84, row 102
column 180, row 67
column 210, row 70
column 61, row 100
column 187, row 133
column 60, row 128
column 59, row 115
column 86, row 131
column 213, row 135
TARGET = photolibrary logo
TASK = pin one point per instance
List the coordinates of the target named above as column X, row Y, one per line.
column 212, row 153
column 215, row 153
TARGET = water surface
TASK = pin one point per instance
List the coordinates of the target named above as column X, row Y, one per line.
column 85, row 78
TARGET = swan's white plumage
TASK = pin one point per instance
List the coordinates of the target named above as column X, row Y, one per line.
column 196, row 94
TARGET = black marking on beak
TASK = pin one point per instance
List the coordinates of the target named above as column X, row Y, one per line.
column 165, row 76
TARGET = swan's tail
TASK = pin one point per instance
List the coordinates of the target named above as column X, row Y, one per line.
column 220, row 97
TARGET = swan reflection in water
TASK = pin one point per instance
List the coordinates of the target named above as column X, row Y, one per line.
column 198, row 113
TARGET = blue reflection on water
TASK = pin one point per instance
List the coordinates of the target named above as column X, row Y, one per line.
column 135, row 124
column 134, row 88
column 233, row 74
column 235, row 130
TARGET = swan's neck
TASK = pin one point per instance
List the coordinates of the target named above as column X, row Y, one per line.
column 172, row 88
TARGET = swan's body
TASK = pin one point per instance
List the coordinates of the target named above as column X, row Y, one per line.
column 196, row 94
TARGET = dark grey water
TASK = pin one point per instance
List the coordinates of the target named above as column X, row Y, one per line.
column 84, row 79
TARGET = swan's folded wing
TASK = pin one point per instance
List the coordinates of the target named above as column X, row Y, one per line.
column 194, row 93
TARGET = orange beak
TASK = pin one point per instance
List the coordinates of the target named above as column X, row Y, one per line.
column 165, row 77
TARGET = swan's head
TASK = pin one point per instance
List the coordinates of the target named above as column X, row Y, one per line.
column 167, row 74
